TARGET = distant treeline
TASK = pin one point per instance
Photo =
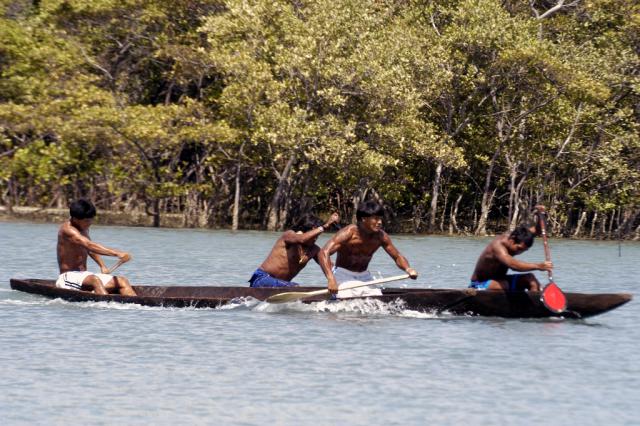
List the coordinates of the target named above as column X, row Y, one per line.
column 458, row 115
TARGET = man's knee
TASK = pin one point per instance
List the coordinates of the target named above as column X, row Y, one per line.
column 530, row 282
column 122, row 282
column 92, row 283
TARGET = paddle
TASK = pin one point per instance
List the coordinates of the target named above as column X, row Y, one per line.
column 296, row 295
column 552, row 297
column 118, row 264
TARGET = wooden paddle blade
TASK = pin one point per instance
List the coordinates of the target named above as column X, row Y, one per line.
column 295, row 295
column 553, row 298
column 292, row 296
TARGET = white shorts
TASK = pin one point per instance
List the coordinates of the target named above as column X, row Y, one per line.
column 344, row 276
column 73, row 279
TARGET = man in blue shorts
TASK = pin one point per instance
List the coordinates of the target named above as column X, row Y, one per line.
column 498, row 257
column 291, row 253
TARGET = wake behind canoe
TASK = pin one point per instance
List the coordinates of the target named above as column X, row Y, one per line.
column 455, row 301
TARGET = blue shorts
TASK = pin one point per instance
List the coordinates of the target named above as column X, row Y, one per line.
column 483, row 285
column 261, row 278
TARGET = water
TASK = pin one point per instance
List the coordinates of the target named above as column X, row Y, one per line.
column 323, row 364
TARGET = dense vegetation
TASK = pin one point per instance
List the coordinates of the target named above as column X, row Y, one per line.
column 459, row 115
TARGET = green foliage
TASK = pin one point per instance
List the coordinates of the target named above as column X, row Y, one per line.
column 309, row 105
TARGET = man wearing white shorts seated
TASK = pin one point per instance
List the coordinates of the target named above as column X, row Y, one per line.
column 75, row 245
column 356, row 245
column 345, row 276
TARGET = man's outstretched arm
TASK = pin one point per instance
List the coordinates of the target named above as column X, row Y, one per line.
column 400, row 260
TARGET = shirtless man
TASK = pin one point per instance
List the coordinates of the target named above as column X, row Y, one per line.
column 498, row 257
column 355, row 245
column 291, row 253
column 74, row 245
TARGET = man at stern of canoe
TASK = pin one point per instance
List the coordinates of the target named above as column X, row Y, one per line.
column 74, row 245
column 291, row 253
column 356, row 245
column 498, row 257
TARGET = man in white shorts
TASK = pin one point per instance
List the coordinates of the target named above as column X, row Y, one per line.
column 356, row 245
column 344, row 277
column 73, row 279
column 75, row 245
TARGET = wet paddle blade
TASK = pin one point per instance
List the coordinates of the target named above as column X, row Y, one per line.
column 553, row 298
column 292, row 296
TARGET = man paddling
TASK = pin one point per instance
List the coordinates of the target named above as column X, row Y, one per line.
column 498, row 257
column 74, row 245
column 291, row 253
column 356, row 245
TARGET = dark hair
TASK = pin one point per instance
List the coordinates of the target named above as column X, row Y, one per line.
column 82, row 209
column 522, row 234
column 306, row 223
column 369, row 208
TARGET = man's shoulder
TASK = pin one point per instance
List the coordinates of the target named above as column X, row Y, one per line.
column 499, row 239
column 283, row 237
column 68, row 230
column 65, row 227
column 346, row 231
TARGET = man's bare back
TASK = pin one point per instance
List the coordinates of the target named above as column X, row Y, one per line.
column 291, row 253
column 289, row 256
column 489, row 266
column 498, row 257
column 71, row 256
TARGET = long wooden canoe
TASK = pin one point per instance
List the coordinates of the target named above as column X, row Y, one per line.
column 455, row 301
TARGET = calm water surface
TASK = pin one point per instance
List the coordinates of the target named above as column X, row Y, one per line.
column 324, row 364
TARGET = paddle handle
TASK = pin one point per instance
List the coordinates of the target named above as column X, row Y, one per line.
column 542, row 216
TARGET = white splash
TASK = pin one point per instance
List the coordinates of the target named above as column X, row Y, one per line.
column 240, row 303
column 365, row 307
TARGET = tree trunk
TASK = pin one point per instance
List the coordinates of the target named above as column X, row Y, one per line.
column 513, row 175
column 613, row 217
column 434, row 196
column 581, row 221
column 453, row 224
column 417, row 218
column 444, row 211
column 275, row 207
column 11, row 197
column 236, row 196
column 594, row 220
column 487, row 197
column 155, row 213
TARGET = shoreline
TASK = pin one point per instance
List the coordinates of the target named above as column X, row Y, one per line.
column 168, row 221
column 104, row 217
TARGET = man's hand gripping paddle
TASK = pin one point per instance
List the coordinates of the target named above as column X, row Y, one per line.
column 552, row 297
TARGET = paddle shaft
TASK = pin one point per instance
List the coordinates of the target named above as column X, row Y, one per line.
column 545, row 242
column 118, row 264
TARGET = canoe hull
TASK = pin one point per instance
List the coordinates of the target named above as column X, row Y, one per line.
column 455, row 301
